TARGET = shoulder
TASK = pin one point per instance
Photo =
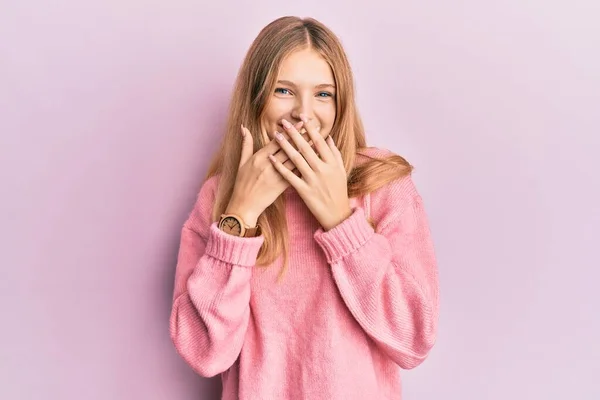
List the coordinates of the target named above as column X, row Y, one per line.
column 398, row 193
column 372, row 153
column 208, row 189
column 397, row 206
column 200, row 217
column 396, row 189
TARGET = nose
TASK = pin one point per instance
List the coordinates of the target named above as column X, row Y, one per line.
column 302, row 105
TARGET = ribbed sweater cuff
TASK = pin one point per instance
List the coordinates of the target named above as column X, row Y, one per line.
column 232, row 249
column 346, row 237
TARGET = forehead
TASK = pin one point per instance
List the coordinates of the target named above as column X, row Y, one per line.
column 306, row 66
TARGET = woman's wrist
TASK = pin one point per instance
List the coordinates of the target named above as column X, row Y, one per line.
column 248, row 217
column 337, row 219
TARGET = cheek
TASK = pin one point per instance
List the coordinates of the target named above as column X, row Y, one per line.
column 274, row 111
column 268, row 120
column 327, row 115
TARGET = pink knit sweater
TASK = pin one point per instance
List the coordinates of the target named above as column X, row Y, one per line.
column 354, row 307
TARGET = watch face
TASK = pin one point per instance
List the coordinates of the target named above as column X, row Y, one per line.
column 232, row 226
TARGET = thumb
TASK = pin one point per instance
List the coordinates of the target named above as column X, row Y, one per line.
column 247, row 145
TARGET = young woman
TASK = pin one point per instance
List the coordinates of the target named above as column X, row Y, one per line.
column 306, row 268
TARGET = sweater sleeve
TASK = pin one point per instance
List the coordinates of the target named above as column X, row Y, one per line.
column 389, row 279
column 211, row 300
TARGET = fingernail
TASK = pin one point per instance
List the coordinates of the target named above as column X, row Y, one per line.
column 243, row 130
column 286, row 124
column 279, row 136
column 303, row 117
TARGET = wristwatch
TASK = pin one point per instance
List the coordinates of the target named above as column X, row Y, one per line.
column 234, row 225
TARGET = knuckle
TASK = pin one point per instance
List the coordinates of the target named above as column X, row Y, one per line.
column 255, row 162
column 263, row 175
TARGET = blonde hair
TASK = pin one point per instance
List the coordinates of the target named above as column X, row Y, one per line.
column 253, row 88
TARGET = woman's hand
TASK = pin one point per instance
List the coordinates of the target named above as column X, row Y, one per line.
column 322, row 183
column 257, row 183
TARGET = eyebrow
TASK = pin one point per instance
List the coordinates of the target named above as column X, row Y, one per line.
column 322, row 85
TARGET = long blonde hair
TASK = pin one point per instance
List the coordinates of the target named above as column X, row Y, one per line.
column 253, row 88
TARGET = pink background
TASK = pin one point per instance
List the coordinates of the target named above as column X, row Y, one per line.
column 109, row 110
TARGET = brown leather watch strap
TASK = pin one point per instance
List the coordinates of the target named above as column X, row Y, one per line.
column 252, row 232
column 235, row 225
